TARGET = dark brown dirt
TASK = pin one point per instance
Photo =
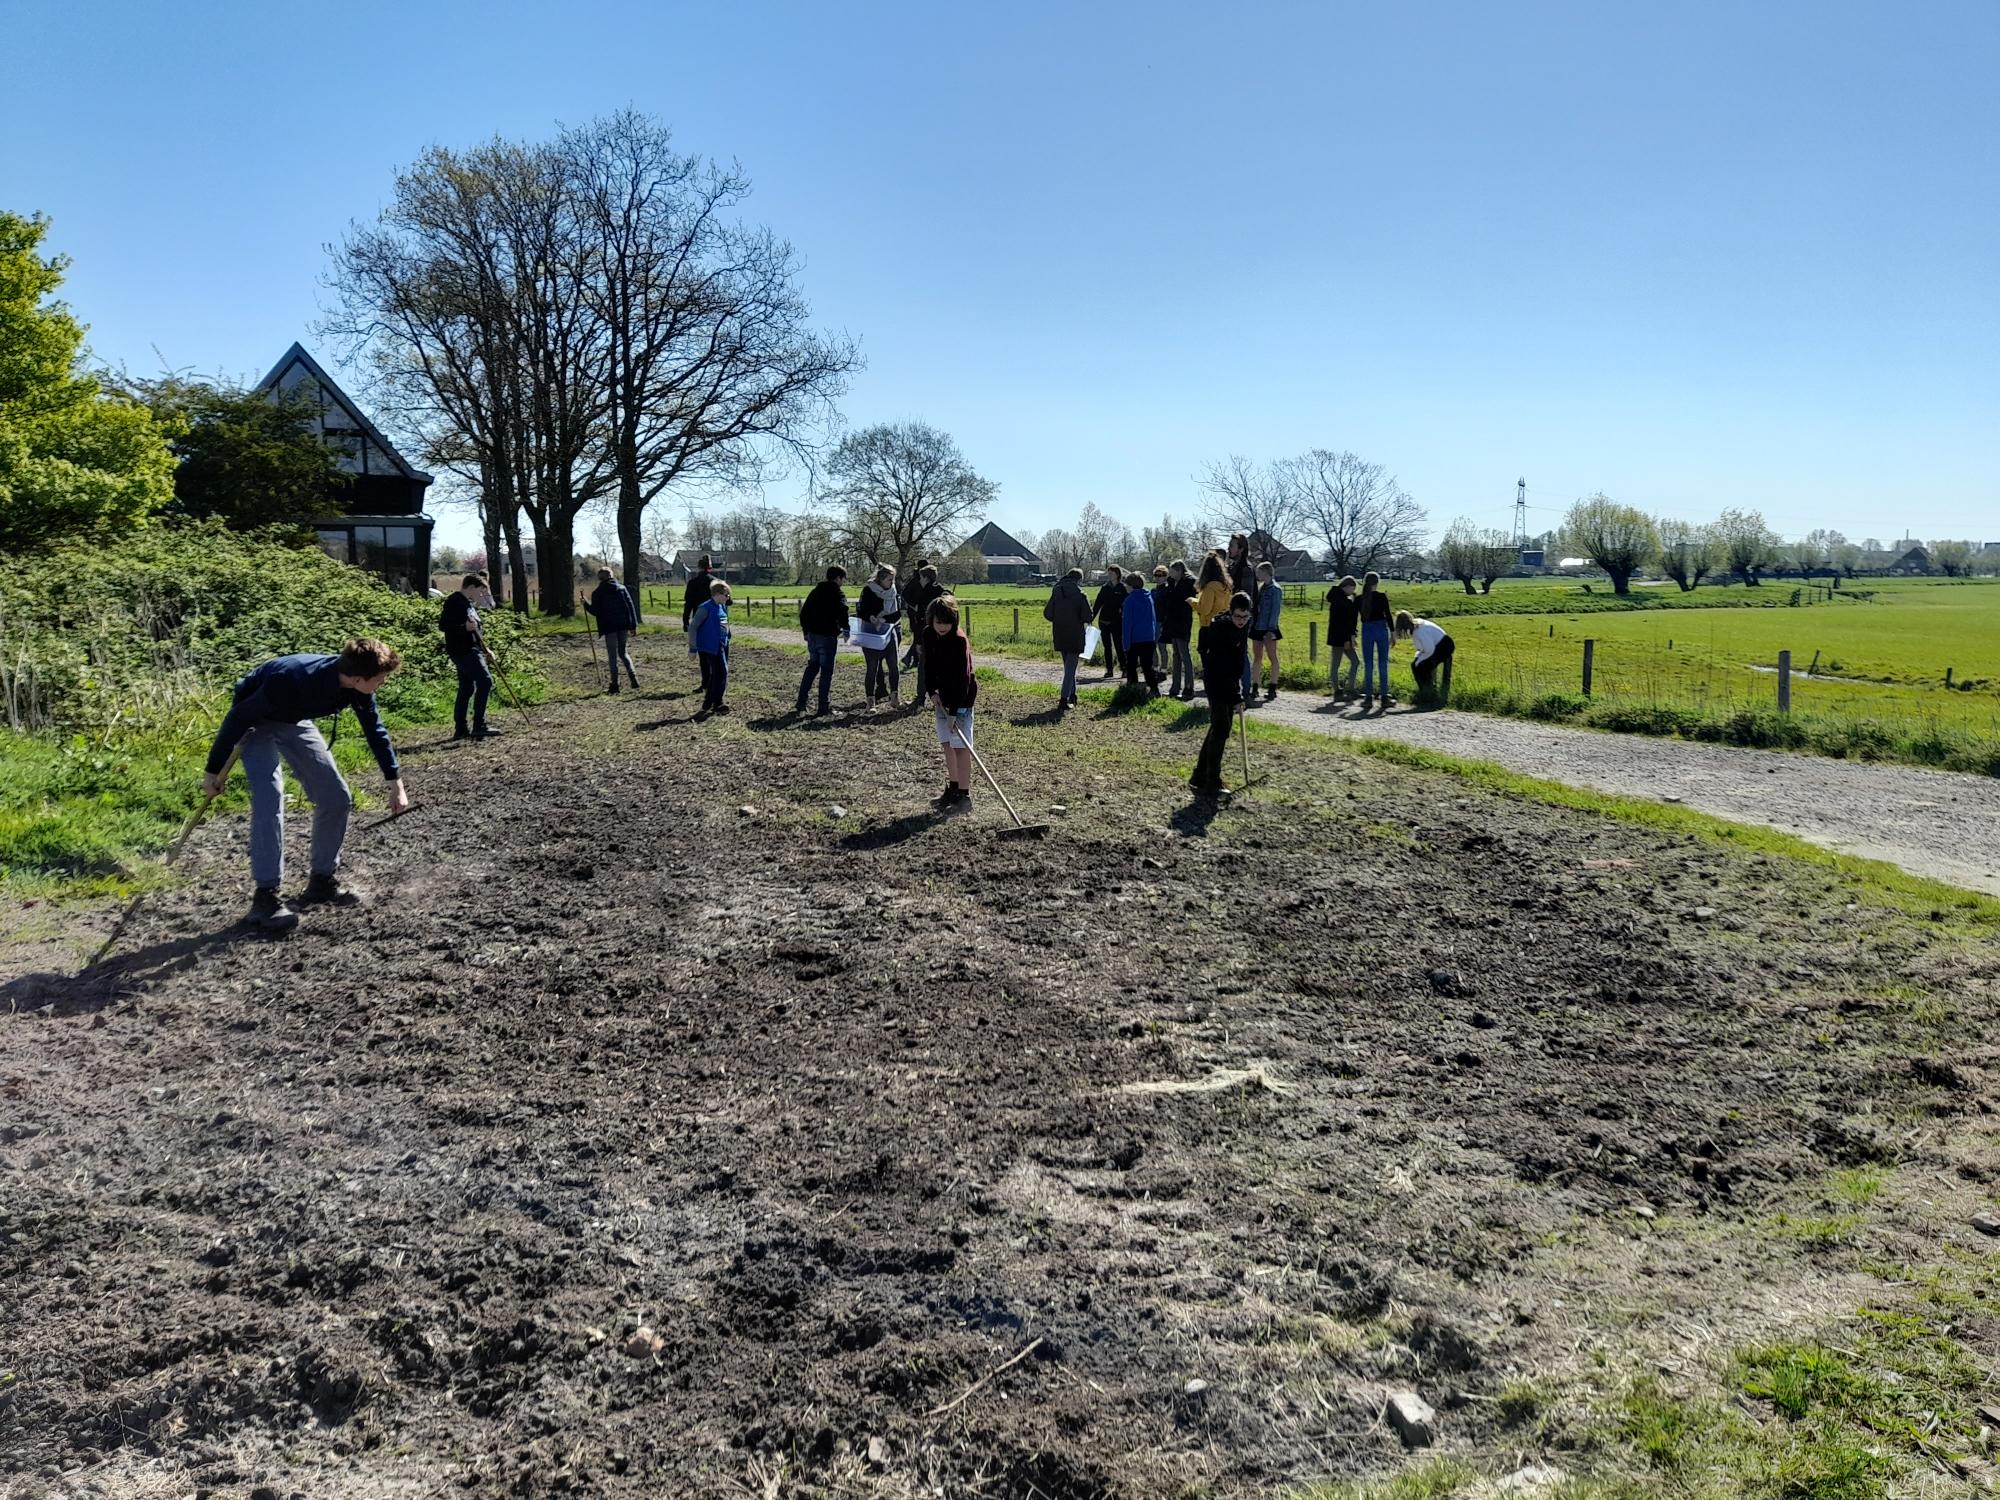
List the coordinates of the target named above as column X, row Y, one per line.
column 1300, row 1099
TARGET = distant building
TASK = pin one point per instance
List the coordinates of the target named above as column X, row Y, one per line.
column 384, row 529
column 1007, row 561
column 739, row 566
column 1916, row 560
column 1288, row 564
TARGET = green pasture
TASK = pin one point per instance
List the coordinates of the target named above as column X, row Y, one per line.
column 1869, row 659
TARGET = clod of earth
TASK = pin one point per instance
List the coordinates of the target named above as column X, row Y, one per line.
column 1986, row 1222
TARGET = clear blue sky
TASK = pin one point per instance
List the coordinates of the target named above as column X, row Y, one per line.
column 1694, row 255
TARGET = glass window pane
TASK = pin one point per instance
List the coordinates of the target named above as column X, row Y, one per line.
column 368, row 548
column 333, row 543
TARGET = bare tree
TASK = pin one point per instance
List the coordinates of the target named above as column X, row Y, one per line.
column 1096, row 536
column 713, row 373
column 1258, row 503
column 904, row 489
column 1351, row 507
column 1060, row 550
column 1688, row 552
column 1620, row 539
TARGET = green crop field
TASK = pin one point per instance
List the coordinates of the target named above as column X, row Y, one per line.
column 1903, row 668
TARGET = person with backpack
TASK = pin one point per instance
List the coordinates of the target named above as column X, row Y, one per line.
column 1109, row 613
column 1376, row 619
column 824, row 621
column 617, row 617
column 459, row 620
column 1068, row 613
column 270, row 725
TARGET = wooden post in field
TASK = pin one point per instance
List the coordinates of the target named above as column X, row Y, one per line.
column 1784, row 682
column 1312, row 641
column 1017, row 622
column 1552, row 632
column 1589, row 656
column 1947, row 676
column 968, row 622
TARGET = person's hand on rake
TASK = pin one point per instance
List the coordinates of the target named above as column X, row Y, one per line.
column 212, row 782
column 399, row 797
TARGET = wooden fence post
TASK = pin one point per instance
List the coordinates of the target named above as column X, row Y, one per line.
column 1947, row 676
column 1784, row 682
column 1017, row 622
column 1589, row 655
column 1312, row 641
column 1552, row 632
column 968, row 622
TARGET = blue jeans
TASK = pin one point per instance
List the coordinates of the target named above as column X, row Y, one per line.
column 616, row 651
column 1070, row 659
column 475, row 685
column 1374, row 647
column 714, row 677
column 1183, row 668
column 300, row 747
column 1249, row 674
column 820, row 653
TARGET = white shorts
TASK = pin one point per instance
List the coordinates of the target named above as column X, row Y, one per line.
column 945, row 718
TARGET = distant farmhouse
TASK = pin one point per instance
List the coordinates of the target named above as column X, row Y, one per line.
column 737, row 566
column 1007, row 561
column 1917, row 559
column 384, row 529
column 1288, row 564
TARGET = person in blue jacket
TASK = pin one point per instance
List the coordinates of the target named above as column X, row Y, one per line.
column 1264, row 632
column 617, row 617
column 708, row 639
column 1138, row 633
column 270, row 721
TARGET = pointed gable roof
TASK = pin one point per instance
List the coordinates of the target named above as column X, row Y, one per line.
column 990, row 541
column 297, row 366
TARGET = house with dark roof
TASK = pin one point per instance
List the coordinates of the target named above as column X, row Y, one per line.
column 1007, row 561
column 376, row 520
column 1288, row 564
column 734, row 565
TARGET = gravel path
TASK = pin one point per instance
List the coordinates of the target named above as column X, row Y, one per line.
column 1943, row 824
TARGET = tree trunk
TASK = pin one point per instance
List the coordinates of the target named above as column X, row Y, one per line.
column 631, row 515
column 1468, row 586
column 1685, row 586
column 1621, row 583
column 517, row 562
column 555, row 556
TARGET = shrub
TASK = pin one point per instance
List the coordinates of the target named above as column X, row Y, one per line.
column 1555, row 707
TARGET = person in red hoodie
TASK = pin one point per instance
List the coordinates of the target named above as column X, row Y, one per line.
column 948, row 673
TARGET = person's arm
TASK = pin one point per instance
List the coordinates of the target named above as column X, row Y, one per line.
column 377, row 736
column 244, row 712
column 589, row 608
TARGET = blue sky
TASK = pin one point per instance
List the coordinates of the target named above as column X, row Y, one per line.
column 1693, row 255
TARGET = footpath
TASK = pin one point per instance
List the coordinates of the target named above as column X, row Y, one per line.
column 1943, row 824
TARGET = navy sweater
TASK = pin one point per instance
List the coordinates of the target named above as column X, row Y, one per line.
column 291, row 690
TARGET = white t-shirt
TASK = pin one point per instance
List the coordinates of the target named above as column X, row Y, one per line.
column 1427, row 637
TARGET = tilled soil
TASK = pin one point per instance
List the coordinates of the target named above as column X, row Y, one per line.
column 1143, row 1158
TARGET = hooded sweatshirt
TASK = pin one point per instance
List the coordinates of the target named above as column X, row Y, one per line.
column 1141, row 624
column 948, row 668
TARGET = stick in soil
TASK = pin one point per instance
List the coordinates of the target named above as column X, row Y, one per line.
column 970, row 1391
column 1020, row 829
column 173, row 857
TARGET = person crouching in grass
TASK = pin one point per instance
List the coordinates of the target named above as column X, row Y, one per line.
column 1432, row 664
column 948, row 673
column 270, row 720
column 708, row 640
column 1225, row 647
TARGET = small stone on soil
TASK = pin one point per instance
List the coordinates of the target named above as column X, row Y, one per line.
column 1195, row 1387
column 1536, row 1479
column 747, row 810
column 644, row 1343
column 836, row 811
column 1413, row 1419
column 1986, row 1222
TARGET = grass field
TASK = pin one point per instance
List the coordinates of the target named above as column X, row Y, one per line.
column 1870, row 660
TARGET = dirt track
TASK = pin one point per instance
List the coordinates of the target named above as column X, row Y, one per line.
column 1943, row 824
column 1231, row 1119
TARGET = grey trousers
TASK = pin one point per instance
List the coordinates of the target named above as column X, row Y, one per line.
column 300, row 747
column 615, row 652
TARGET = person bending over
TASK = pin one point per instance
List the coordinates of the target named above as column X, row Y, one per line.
column 1432, row 663
column 269, row 725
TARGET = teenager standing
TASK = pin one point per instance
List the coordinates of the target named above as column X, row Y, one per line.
column 1177, row 627
column 463, row 643
column 697, row 593
column 1264, row 632
column 1109, row 613
column 880, row 608
column 1376, row 617
column 1224, row 650
column 953, row 692
column 611, row 606
column 823, row 620
column 1342, row 632
column 1068, row 614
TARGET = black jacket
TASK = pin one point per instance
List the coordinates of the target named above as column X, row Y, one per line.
column 291, row 690
column 1243, row 576
column 1224, row 650
column 825, row 610
column 460, row 623
column 1346, row 616
column 612, row 607
column 917, row 601
column 696, row 596
column 948, row 668
column 1375, row 608
column 1177, row 610
column 871, row 606
column 1068, row 613
column 1109, row 610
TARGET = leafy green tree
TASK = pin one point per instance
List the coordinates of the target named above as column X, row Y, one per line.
column 75, row 461
column 1747, row 544
column 1620, row 539
column 245, row 457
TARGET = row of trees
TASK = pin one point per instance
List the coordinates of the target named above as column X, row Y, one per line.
column 1338, row 505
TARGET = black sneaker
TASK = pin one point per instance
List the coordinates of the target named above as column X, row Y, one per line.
column 326, row 890
column 612, row 689
column 1269, row 694
column 948, row 795
column 269, row 912
column 484, row 733
column 461, row 733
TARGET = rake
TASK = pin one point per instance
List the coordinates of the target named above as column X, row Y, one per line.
column 1020, row 830
column 173, row 857
column 512, row 696
column 1243, row 740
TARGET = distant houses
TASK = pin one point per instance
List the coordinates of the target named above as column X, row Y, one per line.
column 737, row 565
column 1288, row 564
column 376, row 521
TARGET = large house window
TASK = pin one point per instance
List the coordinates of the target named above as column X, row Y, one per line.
column 333, row 543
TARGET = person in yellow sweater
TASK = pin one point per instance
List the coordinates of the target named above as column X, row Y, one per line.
column 1212, row 598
